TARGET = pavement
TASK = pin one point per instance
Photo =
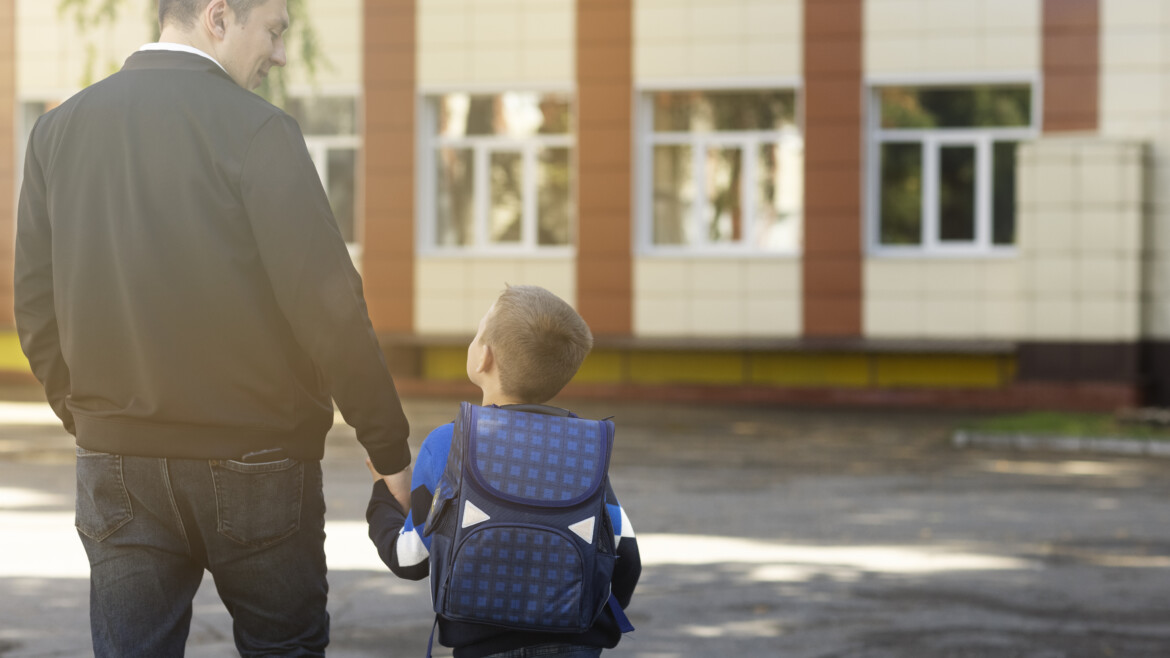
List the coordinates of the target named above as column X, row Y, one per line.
column 764, row 532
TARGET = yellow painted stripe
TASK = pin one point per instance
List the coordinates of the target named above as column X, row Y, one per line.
column 686, row 368
column 791, row 369
column 942, row 371
column 445, row 363
column 795, row 369
column 601, row 367
column 11, row 357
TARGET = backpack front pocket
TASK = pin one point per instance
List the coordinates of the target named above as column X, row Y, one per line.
column 520, row 575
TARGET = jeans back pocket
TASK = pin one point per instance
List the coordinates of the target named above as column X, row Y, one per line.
column 258, row 504
column 103, row 506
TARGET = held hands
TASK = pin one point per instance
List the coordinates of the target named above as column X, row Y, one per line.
column 398, row 484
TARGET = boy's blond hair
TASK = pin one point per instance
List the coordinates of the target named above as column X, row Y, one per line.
column 538, row 341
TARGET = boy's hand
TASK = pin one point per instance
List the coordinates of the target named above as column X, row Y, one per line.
column 398, row 484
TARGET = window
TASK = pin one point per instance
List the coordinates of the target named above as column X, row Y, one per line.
column 329, row 124
column 725, row 171
column 499, row 172
column 943, row 163
column 26, row 117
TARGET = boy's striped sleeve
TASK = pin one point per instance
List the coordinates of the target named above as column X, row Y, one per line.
column 397, row 536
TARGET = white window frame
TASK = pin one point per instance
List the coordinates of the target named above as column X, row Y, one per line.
column 983, row 139
column 320, row 145
column 748, row 141
column 482, row 146
column 20, row 138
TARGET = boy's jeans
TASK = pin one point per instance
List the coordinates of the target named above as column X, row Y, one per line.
column 562, row 650
column 151, row 526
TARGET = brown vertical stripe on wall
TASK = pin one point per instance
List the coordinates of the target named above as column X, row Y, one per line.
column 833, row 102
column 604, row 169
column 7, row 154
column 1072, row 62
column 387, row 180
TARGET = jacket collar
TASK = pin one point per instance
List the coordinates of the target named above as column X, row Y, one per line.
column 175, row 60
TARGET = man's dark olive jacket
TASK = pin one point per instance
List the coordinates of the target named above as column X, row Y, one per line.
column 182, row 289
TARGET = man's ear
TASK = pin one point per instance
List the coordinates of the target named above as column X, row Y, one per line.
column 214, row 17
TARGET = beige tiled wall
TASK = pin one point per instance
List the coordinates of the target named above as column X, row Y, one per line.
column 952, row 36
column 453, row 293
column 717, row 297
column 1135, row 104
column 1076, row 275
column 51, row 52
column 338, row 25
column 1081, row 231
column 709, row 39
column 943, row 299
column 52, row 60
column 495, row 42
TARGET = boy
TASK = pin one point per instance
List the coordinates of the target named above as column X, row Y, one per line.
column 529, row 344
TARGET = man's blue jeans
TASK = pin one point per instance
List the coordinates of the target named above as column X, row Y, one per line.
column 152, row 526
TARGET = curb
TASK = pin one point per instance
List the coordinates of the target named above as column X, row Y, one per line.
column 1110, row 445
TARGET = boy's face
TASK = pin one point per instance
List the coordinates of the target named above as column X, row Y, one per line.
column 476, row 348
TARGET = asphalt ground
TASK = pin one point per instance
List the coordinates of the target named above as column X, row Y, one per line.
column 764, row 532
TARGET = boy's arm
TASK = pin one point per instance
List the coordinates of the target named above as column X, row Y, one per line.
column 394, row 531
column 628, row 566
column 398, row 542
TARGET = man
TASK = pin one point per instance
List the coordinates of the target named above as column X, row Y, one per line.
column 187, row 301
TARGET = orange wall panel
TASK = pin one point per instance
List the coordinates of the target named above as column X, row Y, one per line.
column 604, row 154
column 1071, row 62
column 388, row 163
column 7, row 153
column 833, row 100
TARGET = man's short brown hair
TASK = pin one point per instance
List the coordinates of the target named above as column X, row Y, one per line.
column 183, row 12
column 538, row 341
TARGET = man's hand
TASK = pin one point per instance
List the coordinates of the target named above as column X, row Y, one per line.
column 398, row 484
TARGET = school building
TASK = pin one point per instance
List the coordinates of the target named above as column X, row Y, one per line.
column 935, row 203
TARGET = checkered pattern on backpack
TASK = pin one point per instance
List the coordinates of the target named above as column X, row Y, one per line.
column 517, row 575
column 541, row 458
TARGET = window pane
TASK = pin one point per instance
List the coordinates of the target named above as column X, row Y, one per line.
column 455, row 198
column 901, row 204
column 1003, row 229
column 513, row 114
column 324, row 115
column 723, row 213
column 554, row 202
column 779, row 195
column 505, row 216
column 956, row 194
column 956, row 107
column 706, row 111
column 674, row 192
column 342, row 167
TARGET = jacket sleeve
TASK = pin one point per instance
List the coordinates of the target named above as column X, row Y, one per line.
column 628, row 566
column 35, row 313
column 318, row 289
column 397, row 536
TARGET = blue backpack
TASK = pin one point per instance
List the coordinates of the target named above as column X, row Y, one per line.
column 520, row 535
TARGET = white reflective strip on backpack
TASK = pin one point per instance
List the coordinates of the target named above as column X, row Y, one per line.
column 473, row 515
column 584, row 529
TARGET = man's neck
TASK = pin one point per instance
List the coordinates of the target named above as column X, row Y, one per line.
column 191, row 38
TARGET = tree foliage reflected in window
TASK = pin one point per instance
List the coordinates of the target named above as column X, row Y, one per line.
column 502, row 170
column 726, row 169
column 945, row 165
column 956, row 107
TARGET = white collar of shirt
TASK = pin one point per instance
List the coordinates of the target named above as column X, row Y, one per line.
column 183, row 48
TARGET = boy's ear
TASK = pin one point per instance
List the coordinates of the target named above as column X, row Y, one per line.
column 487, row 361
